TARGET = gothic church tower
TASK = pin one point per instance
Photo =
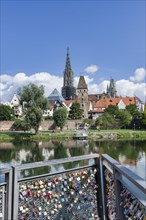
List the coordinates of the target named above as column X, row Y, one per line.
column 82, row 92
column 68, row 89
column 111, row 90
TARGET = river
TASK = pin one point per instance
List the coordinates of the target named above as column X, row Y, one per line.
column 131, row 154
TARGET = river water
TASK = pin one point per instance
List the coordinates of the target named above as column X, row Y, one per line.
column 131, row 154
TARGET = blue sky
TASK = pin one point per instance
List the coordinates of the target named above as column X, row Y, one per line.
column 107, row 34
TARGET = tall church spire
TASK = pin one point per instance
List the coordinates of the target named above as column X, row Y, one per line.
column 68, row 89
column 68, row 73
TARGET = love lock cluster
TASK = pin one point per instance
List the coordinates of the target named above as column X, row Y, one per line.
column 66, row 196
column 110, row 195
column 1, row 202
column 132, row 209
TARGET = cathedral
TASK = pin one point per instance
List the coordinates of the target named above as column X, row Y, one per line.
column 92, row 105
column 69, row 91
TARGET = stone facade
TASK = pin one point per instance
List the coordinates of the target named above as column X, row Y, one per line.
column 82, row 91
column 6, row 125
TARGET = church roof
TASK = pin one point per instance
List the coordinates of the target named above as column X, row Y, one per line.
column 55, row 95
column 82, row 83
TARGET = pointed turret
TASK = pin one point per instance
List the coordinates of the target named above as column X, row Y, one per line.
column 82, row 84
column 68, row 89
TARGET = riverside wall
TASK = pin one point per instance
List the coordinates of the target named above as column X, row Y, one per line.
column 45, row 125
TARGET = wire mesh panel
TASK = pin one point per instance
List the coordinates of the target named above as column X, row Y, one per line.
column 110, row 197
column 67, row 196
column 2, row 202
column 132, row 208
column 124, row 192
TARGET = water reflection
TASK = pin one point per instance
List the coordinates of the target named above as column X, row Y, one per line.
column 130, row 153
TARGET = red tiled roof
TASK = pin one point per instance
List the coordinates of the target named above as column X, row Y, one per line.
column 98, row 111
column 104, row 103
column 94, row 97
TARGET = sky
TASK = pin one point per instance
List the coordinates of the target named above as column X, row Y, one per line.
column 106, row 39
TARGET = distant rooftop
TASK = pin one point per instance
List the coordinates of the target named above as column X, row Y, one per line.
column 55, row 95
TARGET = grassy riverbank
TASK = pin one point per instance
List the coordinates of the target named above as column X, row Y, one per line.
column 120, row 134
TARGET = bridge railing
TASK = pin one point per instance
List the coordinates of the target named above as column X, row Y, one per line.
column 82, row 187
column 124, row 191
column 5, row 193
column 68, row 194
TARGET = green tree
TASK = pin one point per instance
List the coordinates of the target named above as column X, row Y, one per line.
column 105, row 120
column 6, row 113
column 143, row 120
column 21, row 125
column 125, row 118
column 132, row 109
column 34, row 117
column 75, row 111
column 88, row 121
column 33, row 95
column 112, row 110
column 35, row 104
column 60, row 117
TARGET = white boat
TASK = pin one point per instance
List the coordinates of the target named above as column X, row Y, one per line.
column 81, row 134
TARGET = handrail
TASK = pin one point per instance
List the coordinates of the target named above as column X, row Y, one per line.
column 130, row 175
column 56, row 161
column 53, row 174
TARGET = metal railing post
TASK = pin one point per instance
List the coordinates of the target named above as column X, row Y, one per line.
column 15, row 194
column 117, row 186
column 103, row 190
column 99, row 190
column 8, row 200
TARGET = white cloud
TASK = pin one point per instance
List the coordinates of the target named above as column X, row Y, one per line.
column 139, row 75
column 10, row 84
column 91, row 69
column 128, row 88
